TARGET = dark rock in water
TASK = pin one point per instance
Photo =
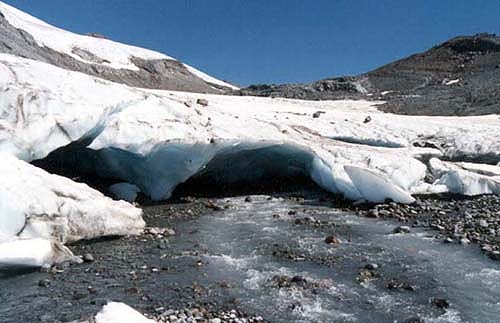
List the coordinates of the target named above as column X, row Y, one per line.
column 248, row 199
column 440, row 302
column 371, row 266
column 44, row 283
column 332, row 240
column 414, row 319
column 298, row 280
column 402, row 229
column 399, row 285
column 367, row 119
column 202, row 102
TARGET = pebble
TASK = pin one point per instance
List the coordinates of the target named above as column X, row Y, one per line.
column 371, row 266
column 88, row 257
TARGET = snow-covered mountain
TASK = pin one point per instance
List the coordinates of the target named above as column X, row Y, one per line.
column 26, row 36
column 73, row 113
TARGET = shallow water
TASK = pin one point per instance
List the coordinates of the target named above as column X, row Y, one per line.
column 247, row 245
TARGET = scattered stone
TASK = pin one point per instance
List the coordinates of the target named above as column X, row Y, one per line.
column 317, row 114
column 202, row 102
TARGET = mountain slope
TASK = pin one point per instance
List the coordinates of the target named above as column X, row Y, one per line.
column 458, row 77
column 25, row 36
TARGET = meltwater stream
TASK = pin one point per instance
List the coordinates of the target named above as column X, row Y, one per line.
column 268, row 257
column 252, row 246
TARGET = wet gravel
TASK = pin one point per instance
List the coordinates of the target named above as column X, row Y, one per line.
column 456, row 219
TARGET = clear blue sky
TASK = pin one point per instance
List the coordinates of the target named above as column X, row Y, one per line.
column 257, row 41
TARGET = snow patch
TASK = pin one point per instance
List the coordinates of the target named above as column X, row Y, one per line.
column 209, row 79
column 115, row 312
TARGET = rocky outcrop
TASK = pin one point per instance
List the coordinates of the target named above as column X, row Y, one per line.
column 458, row 77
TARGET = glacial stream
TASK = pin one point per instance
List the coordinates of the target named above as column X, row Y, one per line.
column 268, row 257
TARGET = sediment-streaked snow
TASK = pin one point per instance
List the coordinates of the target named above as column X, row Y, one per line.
column 158, row 139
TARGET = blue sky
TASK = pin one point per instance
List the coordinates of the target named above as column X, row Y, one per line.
column 273, row 41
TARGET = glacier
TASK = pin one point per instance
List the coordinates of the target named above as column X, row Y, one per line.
column 156, row 139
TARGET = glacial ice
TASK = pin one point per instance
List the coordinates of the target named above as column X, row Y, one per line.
column 466, row 178
column 156, row 139
column 376, row 186
column 124, row 191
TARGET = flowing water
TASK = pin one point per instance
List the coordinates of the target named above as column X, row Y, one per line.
column 248, row 246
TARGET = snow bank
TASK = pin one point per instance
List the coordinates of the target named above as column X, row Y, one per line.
column 40, row 211
column 115, row 312
column 36, row 204
column 156, row 139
